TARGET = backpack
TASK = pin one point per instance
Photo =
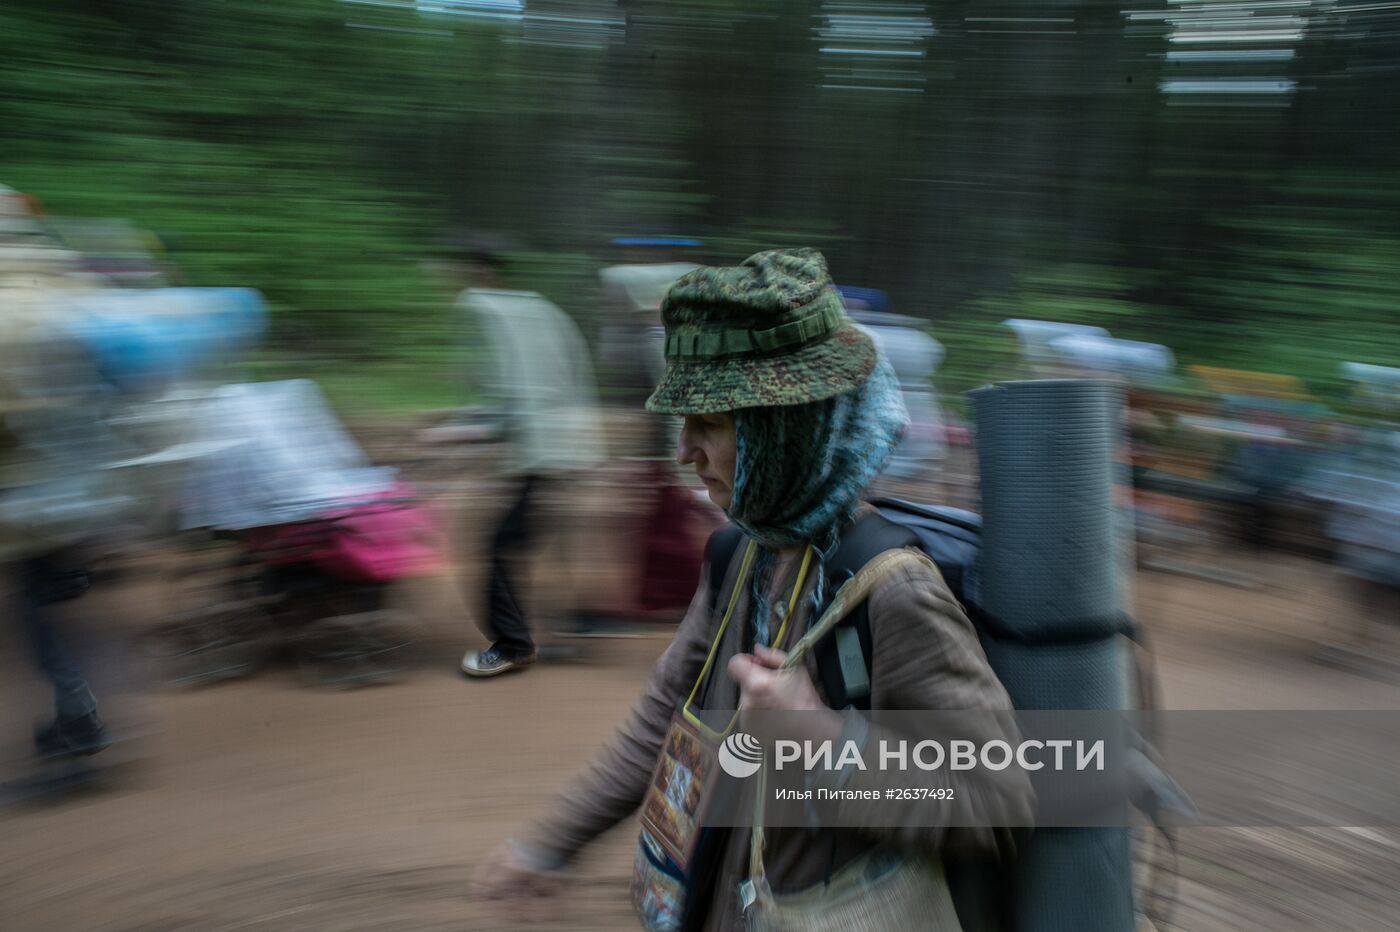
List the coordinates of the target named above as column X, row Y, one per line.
column 983, row 894
column 951, row 537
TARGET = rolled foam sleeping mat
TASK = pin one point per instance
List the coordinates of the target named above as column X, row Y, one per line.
column 1051, row 561
column 1045, row 451
column 1088, row 675
column 1073, row 880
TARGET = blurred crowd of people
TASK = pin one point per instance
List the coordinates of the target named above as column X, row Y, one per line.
column 116, row 427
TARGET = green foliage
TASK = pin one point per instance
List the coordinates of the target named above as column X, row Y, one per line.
column 315, row 150
column 1307, row 281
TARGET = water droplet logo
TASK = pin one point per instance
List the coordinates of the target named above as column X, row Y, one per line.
column 740, row 755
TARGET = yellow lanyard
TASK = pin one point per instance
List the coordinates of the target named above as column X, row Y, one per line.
column 744, row 568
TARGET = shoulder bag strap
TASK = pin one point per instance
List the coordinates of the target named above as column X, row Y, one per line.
column 853, row 592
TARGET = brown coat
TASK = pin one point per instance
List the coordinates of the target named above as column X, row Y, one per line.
column 926, row 656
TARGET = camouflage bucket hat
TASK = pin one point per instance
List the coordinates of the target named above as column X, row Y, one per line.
column 771, row 331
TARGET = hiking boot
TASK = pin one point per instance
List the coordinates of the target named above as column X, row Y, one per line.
column 491, row 662
column 74, row 737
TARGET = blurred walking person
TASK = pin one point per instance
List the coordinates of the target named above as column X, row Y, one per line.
column 53, row 495
column 539, row 380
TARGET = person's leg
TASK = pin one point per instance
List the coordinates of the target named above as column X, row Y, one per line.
column 72, row 697
column 505, row 621
column 76, row 727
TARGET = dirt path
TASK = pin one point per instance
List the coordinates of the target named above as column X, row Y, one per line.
column 264, row 804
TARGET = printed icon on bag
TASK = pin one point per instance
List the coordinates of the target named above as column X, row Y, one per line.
column 740, row 755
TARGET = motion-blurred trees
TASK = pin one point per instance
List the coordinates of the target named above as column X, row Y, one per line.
column 1082, row 161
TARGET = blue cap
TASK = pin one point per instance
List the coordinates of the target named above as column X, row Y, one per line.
column 864, row 299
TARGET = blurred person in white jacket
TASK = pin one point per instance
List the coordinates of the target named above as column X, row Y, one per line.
column 539, row 380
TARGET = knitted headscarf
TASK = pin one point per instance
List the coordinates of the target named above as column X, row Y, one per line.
column 800, row 470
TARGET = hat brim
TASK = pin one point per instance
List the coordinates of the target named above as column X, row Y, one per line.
column 840, row 363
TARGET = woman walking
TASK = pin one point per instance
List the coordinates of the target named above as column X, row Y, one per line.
column 789, row 415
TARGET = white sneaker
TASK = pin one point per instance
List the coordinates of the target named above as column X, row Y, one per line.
column 491, row 662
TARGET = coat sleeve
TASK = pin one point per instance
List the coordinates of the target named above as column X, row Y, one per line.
column 927, row 658
column 612, row 785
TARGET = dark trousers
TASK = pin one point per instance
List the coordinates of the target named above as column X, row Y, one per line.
column 41, row 583
column 505, row 623
column 1263, row 518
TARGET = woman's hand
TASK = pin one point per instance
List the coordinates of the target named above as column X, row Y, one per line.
column 764, row 687
column 513, row 888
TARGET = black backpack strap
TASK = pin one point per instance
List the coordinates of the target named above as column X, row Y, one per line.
column 865, row 539
column 844, row 655
column 719, row 553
